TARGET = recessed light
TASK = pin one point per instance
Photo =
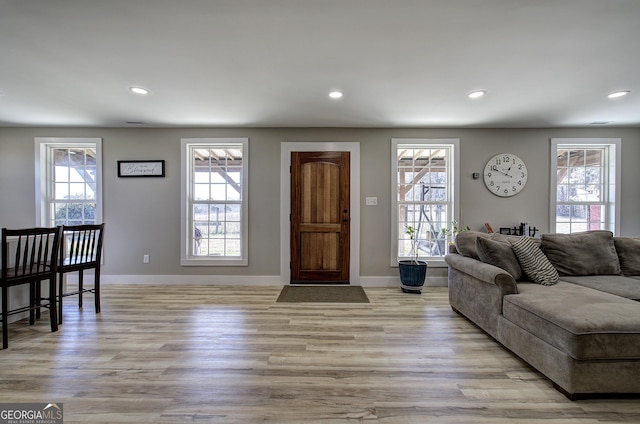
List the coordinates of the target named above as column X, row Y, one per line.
column 477, row 93
column 618, row 94
column 335, row 94
column 139, row 90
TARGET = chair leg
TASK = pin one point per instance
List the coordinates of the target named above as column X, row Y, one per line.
column 80, row 288
column 53, row 314
column 5, row 317
column 96, row 290
column 60, row 296
column 33, row 301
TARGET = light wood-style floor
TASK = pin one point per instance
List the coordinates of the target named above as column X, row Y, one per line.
column 210, row 354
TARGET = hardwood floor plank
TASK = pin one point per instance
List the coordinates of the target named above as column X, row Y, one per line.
column 215, row 354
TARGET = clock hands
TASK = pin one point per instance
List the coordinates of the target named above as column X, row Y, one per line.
column 504, row 173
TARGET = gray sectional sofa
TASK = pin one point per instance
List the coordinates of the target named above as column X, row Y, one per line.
column 583, row 331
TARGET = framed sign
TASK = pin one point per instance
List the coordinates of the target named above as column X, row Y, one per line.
column 141, row 168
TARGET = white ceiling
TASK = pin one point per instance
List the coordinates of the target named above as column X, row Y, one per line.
column 400, row 63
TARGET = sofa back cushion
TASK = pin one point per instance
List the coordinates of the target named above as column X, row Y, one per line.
column 586, row 253
column 465, row 243
column 500, row 254
column 628, row 249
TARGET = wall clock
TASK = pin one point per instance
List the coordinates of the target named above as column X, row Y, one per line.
column 505, row 175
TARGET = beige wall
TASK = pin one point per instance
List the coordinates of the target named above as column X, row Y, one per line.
column 143, row 215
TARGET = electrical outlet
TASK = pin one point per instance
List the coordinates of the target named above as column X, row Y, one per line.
column 145, row 259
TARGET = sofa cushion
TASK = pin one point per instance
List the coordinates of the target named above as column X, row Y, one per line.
column 619, row 285
column 584, row 323
column 533, row 262
column 628, row 249
column 586, row 253
column 500, row 254
column 465, row 243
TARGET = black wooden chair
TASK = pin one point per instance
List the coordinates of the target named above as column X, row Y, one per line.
column 29, row 256
column 80, row 250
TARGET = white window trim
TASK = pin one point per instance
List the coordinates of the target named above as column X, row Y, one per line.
column 454, row 181
column 613, row 183
column 185, row 195
column 42, row 169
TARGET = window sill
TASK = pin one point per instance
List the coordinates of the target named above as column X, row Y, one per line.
column 213, row 262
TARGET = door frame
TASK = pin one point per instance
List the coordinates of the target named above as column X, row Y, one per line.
column 285, row 202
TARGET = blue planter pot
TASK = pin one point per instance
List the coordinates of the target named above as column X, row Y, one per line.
column 412, row 275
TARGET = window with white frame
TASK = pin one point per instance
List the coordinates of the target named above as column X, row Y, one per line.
column 214, row 201
column 583, row 184
column 68, row 181
column 424, row 188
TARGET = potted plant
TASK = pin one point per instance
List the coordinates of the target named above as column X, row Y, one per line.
column 412, row 271
column 451, row 233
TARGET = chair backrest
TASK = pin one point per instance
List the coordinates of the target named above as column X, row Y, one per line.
column 29, row 254
column 81, row 247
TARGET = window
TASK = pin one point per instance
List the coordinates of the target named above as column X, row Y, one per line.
column 214, row 196
column 424, row 188
column 68, row 181
column 583, row 184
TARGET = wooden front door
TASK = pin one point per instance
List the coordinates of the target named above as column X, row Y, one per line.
column 320, row 217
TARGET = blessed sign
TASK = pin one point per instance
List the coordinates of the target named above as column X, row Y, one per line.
column 141, row 168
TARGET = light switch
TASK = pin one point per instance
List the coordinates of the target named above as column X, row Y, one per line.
column 371, row 201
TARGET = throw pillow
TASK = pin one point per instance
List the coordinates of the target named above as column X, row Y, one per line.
column 585, row 253
column 628, row 249
column 499, row 254
column 534, row 263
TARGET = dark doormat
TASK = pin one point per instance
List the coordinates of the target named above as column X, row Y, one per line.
column 323, row 294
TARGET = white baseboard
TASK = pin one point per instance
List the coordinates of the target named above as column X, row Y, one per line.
column 241, row 280
column 214, row 280
column 395, row 281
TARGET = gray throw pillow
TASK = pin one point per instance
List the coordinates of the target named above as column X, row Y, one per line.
column 534, row 263
column 586, row 253
column 500, row 254
column 628, row 249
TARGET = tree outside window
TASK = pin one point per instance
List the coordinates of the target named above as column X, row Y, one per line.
column 585, row 182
